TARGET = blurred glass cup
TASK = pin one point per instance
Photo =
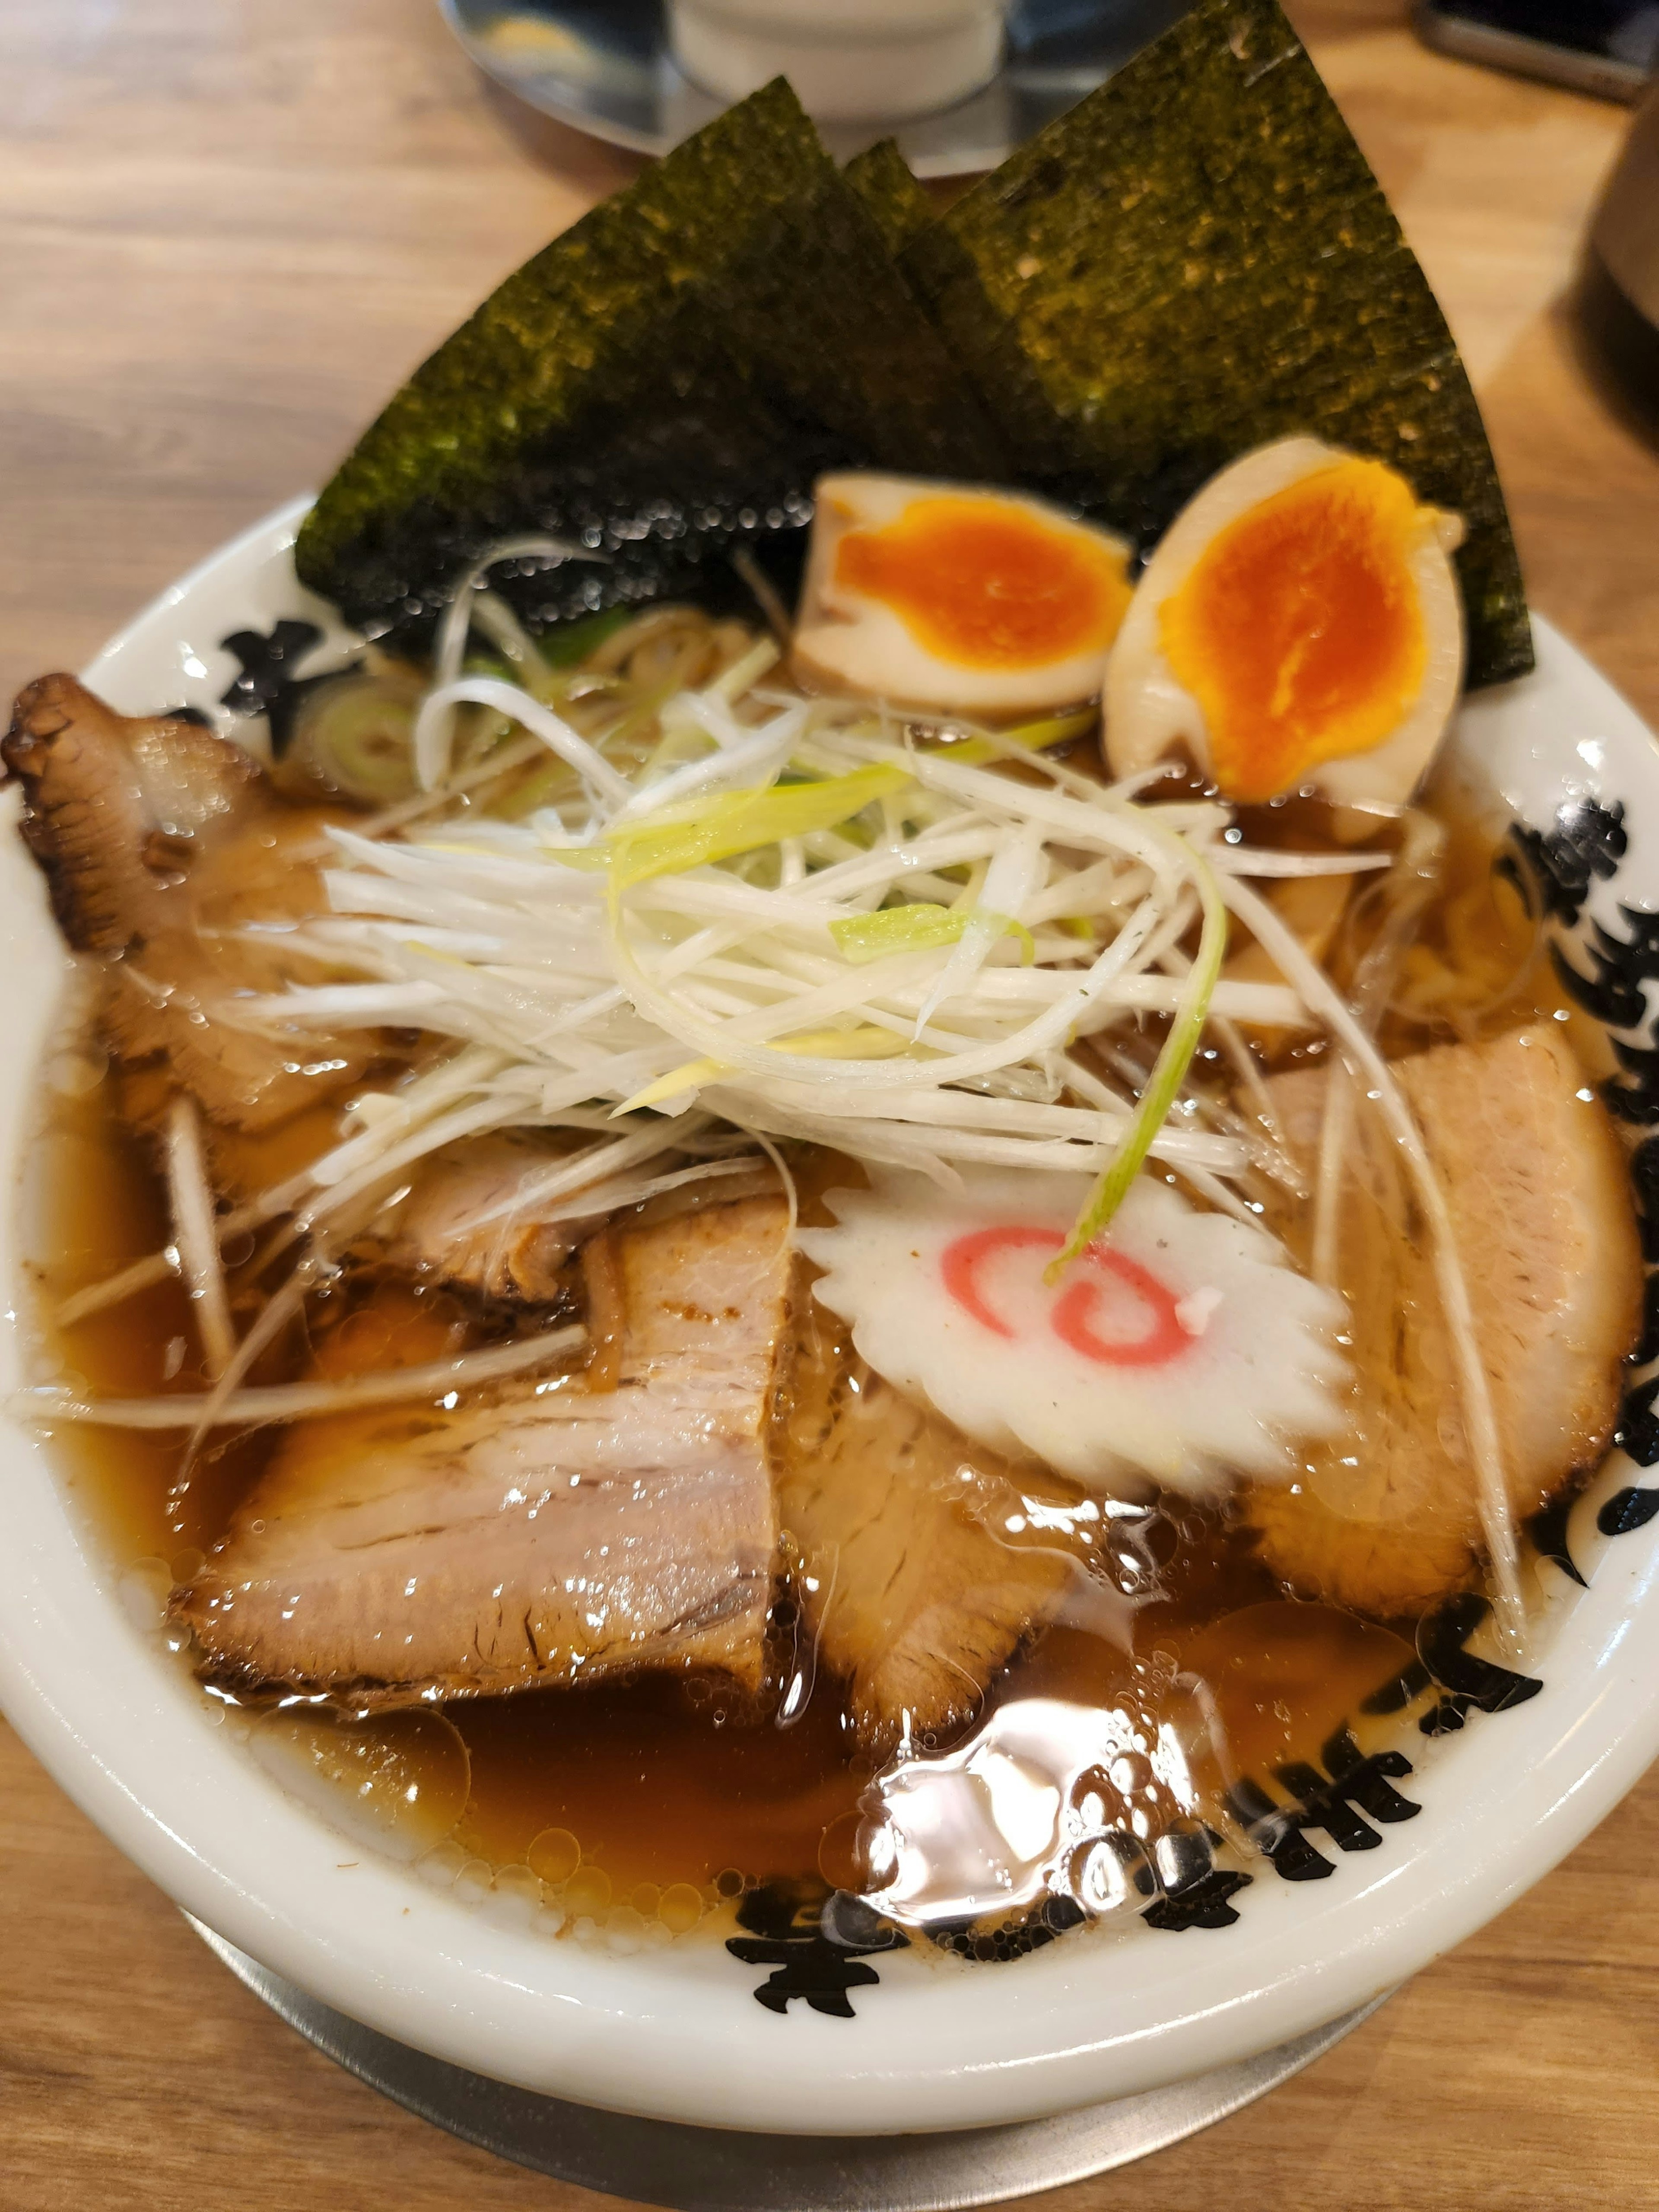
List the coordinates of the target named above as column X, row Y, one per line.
column 1618, row 285
column 849, row 61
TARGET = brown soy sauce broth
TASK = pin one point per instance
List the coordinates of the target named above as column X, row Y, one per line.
column 646, row 1808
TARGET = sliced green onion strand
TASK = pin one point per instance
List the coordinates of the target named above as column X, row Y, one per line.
column 1030, row 737
column 690, row 836
column 864, row 1043
column 572, row 640
column 919, row 928
column 1170, row 1072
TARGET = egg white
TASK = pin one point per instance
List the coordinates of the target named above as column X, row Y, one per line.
column 846, row 641
column 1149, row 715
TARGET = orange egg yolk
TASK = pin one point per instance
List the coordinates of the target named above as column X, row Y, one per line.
column 1299, row 630
column 989, row 585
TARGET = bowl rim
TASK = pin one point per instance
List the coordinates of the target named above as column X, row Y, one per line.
column 944, row 2046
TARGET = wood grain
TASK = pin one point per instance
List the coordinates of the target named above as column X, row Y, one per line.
column 227, row 227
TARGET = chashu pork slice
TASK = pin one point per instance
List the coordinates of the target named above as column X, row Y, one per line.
column 473, row 1217
column 476, row 1215
column 914, row 1592
column 390, row 1559
column 1386, row 1521
column 166, row 853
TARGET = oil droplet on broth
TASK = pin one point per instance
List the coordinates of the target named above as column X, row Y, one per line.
column 397, row 1783
column 587, row 1893
column 514, row 1898
column 680, row 1908
column 554, row 1855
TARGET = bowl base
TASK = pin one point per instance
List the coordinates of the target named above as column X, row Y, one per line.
column 720, row 2170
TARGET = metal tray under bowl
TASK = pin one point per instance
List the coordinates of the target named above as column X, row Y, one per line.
column 718, row 2170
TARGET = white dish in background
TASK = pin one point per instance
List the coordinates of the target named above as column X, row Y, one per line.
column 851, row 61
column 609, row 71
column 676, row 2032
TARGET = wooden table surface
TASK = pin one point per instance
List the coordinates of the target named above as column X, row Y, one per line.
column 227, row 228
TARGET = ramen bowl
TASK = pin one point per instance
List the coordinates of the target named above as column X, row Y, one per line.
column 832, row 2027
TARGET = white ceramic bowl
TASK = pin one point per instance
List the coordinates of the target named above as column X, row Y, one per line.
column 677, row 2032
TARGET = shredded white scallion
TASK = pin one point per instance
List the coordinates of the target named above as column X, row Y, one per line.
column 433, row 722
column 115, row 1290
column 196, row 1236
column 717, row 923
column 279, row 1310
column 303, row 1401
column 456, row 624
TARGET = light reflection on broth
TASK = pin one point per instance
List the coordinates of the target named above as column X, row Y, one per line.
column 651, row 1804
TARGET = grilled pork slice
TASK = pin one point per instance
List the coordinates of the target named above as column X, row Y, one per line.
column 164, row 851
column 913, row 1597
column 386, row 1559
column 476, row 1214
column 1386, row 1522
column 471, row 1219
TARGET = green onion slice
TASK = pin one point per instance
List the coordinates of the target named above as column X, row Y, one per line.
column 1031, row 737
column 1170, row 1071
column 718, row 829
column 864, row 1043
column 918, row 927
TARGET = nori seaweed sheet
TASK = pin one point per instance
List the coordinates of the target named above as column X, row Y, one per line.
column 1194, row 261
column 1197, row 260
column 882, row 178
column 668, row 376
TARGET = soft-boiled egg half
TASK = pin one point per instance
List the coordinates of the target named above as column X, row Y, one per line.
column 941, row 596
column 1299, row 626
